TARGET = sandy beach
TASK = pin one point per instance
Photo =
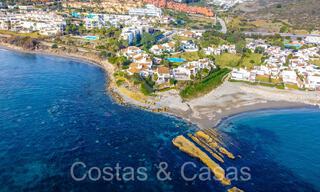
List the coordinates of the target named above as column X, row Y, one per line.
column 207, row 111
column 234, row 98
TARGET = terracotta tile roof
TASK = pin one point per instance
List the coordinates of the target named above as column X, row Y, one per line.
column 171, row 44
column 163, row 70
column 139, row 57
column 134, row 68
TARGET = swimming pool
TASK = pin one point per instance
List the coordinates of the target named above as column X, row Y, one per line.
column 176, row 60
column 292, row 46
column 91, row 37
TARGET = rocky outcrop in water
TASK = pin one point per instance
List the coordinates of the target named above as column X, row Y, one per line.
column 235, row 189
column 24, row 42
column 190, row 148
column 210, row 145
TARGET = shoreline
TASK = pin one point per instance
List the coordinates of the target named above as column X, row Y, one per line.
column 265, row 107
column 201, row 112
column 104, row 65
column 49, row 53
column 260, row 110
column 220, row 117
column 233, row 98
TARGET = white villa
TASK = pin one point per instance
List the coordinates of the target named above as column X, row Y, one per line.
column 190, row 34
column 141, row 62
column 189, row 46
column 313, row 82
column 289, row 77
column 131, row 51
column 46, row 23
column 163, row 74
column 290, row 66
column 221, row 49
column 257, row 43
column 313, row 40
column 184, row 72
column 243, row 75
column 164, row 48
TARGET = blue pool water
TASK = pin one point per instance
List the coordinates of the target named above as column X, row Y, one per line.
column 55, row 112
column 91, row 38
column 293, row 46
column 176, row 60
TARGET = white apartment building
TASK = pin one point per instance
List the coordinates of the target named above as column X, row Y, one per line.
column 43, row 22
column 131, row 33
column 148, row 10
column 289, row 77
column 313, row 40
column 243, row 75
column 94, row 21
column 313, row 82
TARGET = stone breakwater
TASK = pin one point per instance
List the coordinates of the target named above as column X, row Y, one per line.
column 210, row 141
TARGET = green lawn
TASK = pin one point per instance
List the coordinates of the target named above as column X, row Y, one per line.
column 316, row 62
column 235, row 60
column 278, row 86
column 261, row 78
column 228, row 60
column 32, row 35
column 251, row 60
column 182, row 38
column 290, row 86
column 266, row 79
column 189, row 56
column 206, row 85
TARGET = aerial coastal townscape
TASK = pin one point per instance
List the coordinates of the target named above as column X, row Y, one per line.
column 199, row 60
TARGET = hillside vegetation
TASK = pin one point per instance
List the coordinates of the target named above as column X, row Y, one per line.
column 303, row 14
column 206, row 85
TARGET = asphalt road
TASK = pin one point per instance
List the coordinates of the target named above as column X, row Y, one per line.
column 223, row 25
column 282, row 34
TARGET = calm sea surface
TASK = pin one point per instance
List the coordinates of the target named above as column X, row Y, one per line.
column 55, row 112
column 280, row 146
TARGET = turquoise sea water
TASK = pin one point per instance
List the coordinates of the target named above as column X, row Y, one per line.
column 55, row 112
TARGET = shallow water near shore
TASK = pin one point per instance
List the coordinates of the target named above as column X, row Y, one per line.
column 55, row 112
